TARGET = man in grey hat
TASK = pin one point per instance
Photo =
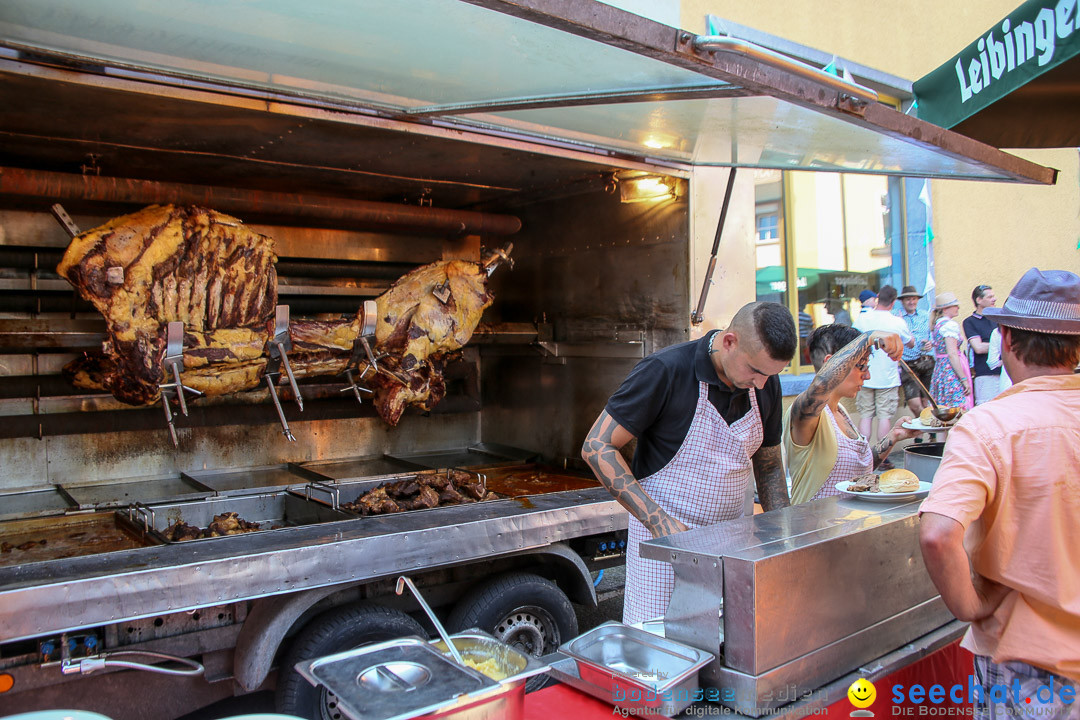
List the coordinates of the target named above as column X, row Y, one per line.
column 1001, row 527
column 920, row 356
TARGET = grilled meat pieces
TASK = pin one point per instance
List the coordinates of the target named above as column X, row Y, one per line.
column 227, row 523
column 421, row 491
column 867, row 482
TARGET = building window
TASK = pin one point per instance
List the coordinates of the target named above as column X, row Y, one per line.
column 841, row 231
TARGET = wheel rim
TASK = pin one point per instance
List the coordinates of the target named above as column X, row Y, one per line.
column 329, row 706
column 530, row 629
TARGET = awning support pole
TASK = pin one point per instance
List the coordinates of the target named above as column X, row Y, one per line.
column 697, row 316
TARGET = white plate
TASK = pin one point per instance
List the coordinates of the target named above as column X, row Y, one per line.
column 916, row 425
column 923, row 491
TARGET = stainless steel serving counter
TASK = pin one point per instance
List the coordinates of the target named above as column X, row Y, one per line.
column 61, row 595
column 799, row 596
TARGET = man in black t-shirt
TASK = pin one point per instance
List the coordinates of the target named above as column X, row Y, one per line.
column 707, row 416
column 986, row 380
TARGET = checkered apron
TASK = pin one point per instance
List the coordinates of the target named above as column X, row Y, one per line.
column 703, row 484
column 853, row 457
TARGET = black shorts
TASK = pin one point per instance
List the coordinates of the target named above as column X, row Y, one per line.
column 924, row 369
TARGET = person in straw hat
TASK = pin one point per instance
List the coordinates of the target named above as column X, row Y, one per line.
column 951, row 383
column 1001, row 526
column 919, row 357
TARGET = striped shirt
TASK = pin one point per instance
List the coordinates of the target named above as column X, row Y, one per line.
column 918, row 323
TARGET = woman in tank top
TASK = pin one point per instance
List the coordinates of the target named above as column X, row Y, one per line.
column 822, row 444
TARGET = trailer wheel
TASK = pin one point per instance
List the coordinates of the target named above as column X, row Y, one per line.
column 334, row 631
column 523, row 610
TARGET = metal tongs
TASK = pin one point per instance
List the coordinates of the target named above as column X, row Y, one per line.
column 402, row 581
column 278, row 347
column 174, row 365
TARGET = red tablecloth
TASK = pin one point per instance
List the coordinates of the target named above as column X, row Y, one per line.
column 948, row 666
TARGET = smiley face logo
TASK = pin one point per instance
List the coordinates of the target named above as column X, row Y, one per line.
column 862, row 693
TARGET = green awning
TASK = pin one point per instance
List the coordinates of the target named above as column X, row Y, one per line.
column 1017, row 84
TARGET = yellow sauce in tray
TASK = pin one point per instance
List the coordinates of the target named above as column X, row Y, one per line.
column 489, row 667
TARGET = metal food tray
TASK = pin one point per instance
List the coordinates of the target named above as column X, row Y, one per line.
column 360, row 468
column 478, row 455
column 631, row 668
column 336, row 495
column 35, row 502
column 401, row 678
column 271, row 511
column 145, row 490
column 74, row 535
column 255, row 480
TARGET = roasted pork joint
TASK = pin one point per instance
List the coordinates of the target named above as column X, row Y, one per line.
column 165, row 264
column 207, row 270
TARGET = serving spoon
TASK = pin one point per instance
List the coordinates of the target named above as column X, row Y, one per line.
column 942, row 414
column 402, row 581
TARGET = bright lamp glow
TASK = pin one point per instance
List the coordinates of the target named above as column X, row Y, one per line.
column 646, row 187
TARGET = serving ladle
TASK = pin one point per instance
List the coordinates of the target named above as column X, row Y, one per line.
column 943, row 414
column 402, row 581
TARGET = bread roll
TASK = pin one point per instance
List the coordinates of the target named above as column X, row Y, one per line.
column 898, row 480
column 926, row 417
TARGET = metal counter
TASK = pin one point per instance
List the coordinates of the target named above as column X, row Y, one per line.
column 798, row 596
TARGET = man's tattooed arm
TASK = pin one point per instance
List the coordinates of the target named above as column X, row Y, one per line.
column 601, row 452
column 769, row 474
column 809, row 404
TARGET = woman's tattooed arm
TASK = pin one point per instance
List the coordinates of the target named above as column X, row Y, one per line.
column 813, row 399
column 769, row 475
column 601, row 452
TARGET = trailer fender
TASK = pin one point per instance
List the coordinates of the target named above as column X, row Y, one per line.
column 568, row 570
column 264, row 629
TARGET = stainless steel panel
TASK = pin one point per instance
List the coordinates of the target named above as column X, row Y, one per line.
column 34, row 503
column 40, row 598
column 845, row 582
column 360, row 468
column 136, row 490
column 462, row 457
column 82, row 458
column 755, row 694
column 252, row 480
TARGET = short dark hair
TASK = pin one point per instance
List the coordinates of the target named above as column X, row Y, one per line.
column 827, row 339
column 1045, row 349
column 978, row 292
column 775, row 329
column 886, row 295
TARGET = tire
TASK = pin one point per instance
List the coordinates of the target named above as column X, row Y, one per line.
column 334, row 631
column 524, row 610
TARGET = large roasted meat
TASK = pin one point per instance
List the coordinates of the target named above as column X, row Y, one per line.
column 425, row 316
column 205, row 269
column 164, row 264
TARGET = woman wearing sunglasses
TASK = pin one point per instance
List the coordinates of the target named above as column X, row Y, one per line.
column 822, row 444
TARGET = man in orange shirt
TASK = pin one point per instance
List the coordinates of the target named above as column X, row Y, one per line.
column 1000, row 530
